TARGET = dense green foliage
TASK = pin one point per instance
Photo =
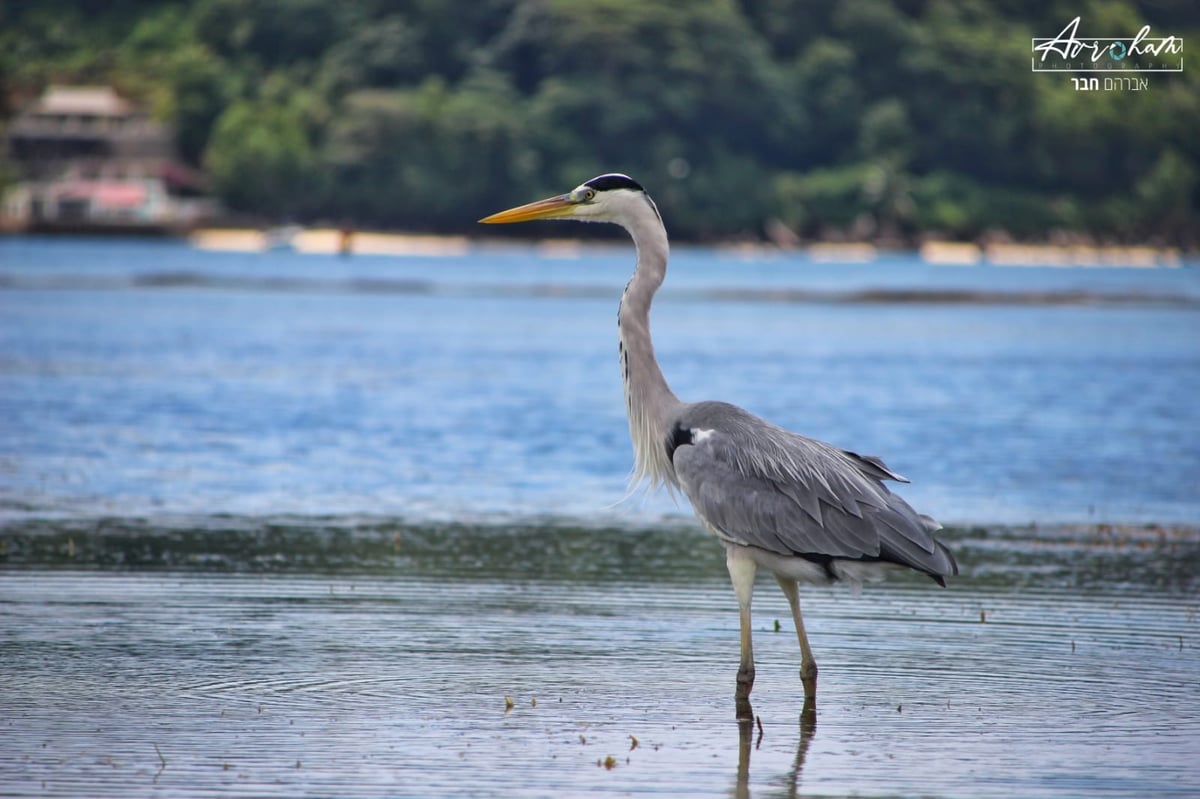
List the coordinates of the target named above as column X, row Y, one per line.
column 858, row 117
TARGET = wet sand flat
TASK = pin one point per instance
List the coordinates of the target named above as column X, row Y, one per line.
column 1021, row 679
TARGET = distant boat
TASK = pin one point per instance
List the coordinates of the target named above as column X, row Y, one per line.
column 282, row 237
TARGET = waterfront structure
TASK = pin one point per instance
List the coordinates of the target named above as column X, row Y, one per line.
column 87, row 159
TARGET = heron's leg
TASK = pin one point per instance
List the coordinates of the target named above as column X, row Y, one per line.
column 741, row 574
column 808, row 664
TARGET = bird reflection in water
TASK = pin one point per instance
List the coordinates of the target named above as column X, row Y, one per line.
column 750, row 735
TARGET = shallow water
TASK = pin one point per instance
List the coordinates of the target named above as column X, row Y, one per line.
column 296, row 526
column 373, row 658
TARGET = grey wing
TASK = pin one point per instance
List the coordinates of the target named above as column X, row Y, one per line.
column 757, row 484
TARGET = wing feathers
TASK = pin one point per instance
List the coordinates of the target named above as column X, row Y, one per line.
column 873, row 466
column 760, row 485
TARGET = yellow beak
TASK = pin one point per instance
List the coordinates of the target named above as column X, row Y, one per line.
column 550, row 208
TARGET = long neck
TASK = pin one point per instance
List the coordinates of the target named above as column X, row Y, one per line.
column 649, row 401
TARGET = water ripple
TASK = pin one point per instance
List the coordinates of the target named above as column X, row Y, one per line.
column 379, row 675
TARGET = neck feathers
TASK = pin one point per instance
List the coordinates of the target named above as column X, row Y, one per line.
column 649, row 401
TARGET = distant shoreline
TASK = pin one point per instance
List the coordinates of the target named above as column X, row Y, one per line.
column 949, row 253
column 939, row 252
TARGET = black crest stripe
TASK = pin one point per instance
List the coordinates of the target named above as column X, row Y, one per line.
column 614, row 181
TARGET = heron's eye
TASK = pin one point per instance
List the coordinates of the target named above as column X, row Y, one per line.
column 584, row 195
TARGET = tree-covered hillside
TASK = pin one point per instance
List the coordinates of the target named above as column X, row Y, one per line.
column 863, row 118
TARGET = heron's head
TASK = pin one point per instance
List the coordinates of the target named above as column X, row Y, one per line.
column 606, row 198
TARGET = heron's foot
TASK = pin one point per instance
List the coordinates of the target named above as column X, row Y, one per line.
column 808, row 716
column 808, row 678
column 742, row 710
column 745, row 681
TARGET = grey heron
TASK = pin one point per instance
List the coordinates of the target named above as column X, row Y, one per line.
column 799, row 508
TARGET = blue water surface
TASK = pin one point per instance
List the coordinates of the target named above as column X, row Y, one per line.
column 149, row 377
